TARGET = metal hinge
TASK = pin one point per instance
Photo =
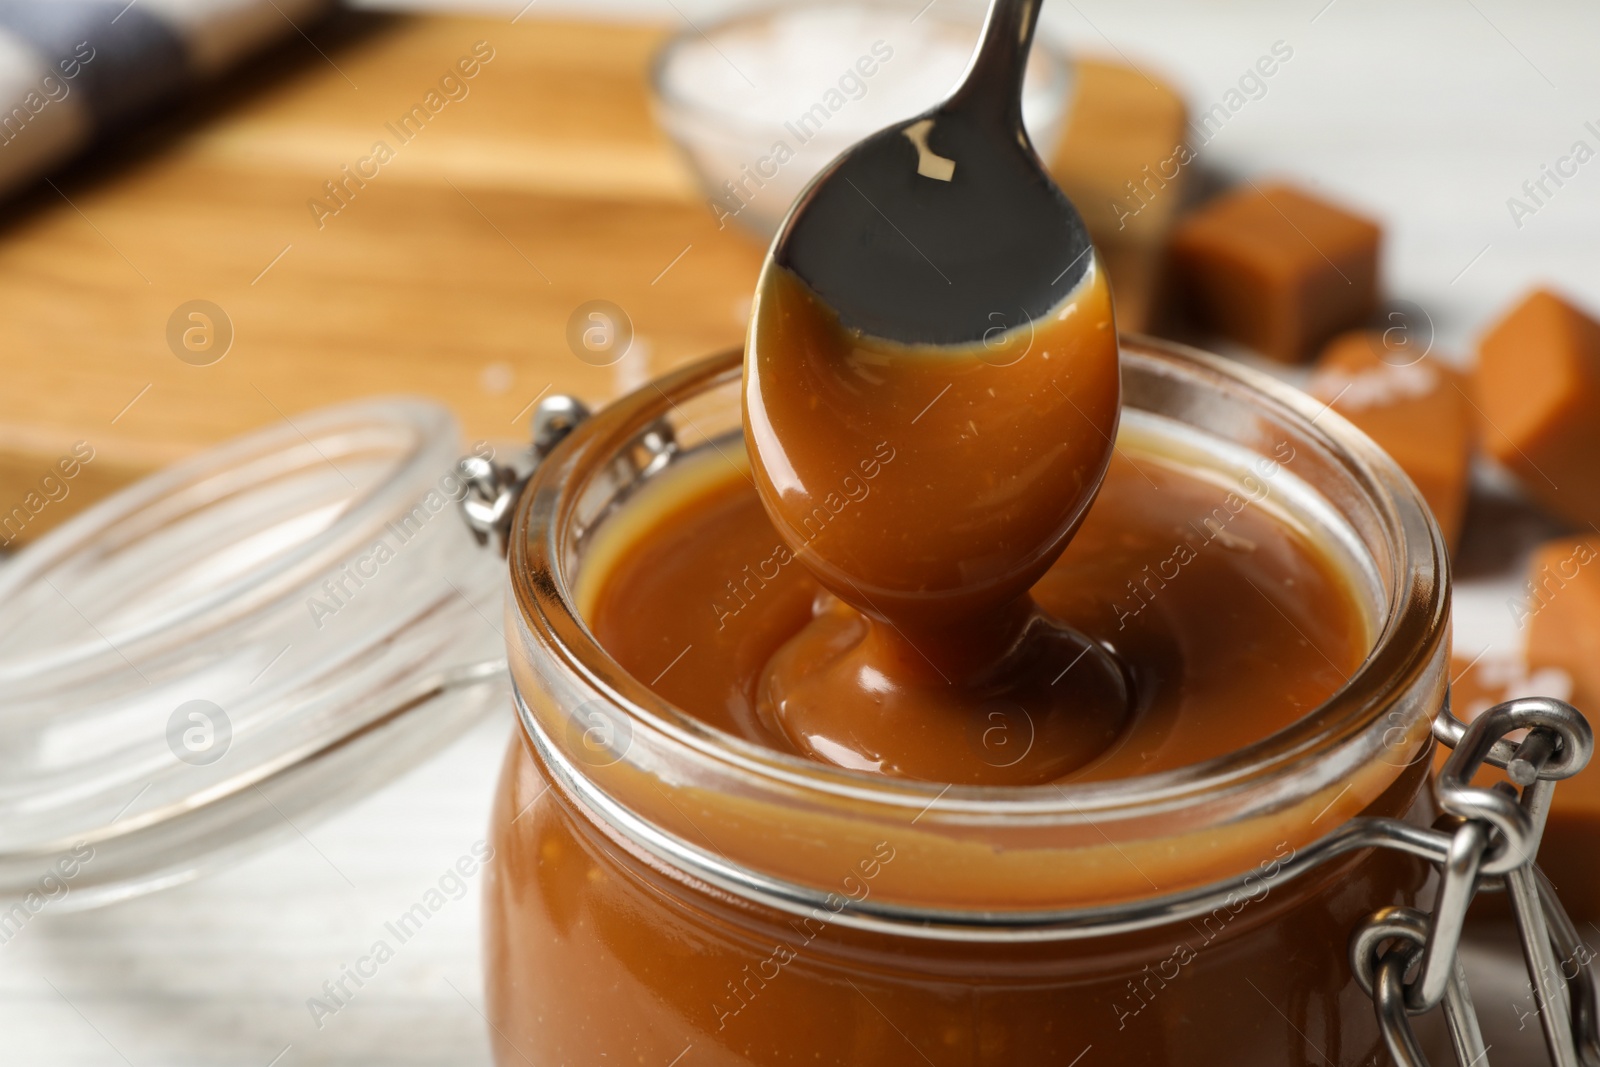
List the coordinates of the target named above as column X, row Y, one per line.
column 494, row 488
column 1488, row 838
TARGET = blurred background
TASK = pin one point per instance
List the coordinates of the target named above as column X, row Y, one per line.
column 220, row 215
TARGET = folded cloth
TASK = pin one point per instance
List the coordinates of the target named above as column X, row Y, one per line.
column 71, row 70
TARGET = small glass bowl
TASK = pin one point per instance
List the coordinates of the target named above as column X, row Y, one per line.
column 762, row 100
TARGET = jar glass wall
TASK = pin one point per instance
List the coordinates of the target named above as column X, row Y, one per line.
column 661, row 885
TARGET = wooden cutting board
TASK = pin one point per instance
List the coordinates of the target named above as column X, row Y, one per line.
column 451, row 272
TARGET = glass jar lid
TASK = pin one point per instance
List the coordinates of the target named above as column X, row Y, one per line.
column 239, row 643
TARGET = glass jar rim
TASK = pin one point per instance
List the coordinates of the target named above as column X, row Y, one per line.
column 1335, row 740
column 1419, row 607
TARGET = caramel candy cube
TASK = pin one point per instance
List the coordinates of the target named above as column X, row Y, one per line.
column 1538, row 389
column 1276, row 269
column 1567, row 855
column 1493, row 677
column 1561, row 615
column 1413, row 406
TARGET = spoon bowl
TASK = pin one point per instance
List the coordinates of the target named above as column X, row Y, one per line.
column 945, row 229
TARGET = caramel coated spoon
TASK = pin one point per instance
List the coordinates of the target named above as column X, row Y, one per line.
column 989, row 241
column 931, row 393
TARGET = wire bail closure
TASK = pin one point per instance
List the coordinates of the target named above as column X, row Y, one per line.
column 1487, row 839
column 493, row 489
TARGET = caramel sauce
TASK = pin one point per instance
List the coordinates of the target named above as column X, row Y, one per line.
column 928, row 488
column 1229, row 621
column 597, row 957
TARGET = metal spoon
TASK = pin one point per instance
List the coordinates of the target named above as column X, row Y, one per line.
column 939, row 229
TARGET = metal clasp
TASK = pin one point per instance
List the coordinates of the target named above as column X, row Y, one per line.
column 493, row 489
column 1408, row 961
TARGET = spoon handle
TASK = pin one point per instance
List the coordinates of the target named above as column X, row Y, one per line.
column 992, row 84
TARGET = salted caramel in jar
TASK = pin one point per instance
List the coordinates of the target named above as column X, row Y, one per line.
column 704, row 859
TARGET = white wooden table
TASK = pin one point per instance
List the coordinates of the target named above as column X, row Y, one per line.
column 1428, row 115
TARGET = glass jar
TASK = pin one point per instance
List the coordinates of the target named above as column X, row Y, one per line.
column 667, row 893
